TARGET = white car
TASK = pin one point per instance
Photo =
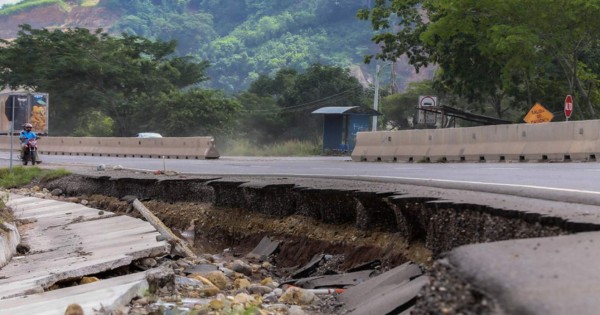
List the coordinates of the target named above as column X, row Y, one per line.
column 148, row 135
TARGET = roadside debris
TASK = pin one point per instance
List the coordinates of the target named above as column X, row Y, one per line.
column 264, row 249
column 233, row 282
column 180, row 247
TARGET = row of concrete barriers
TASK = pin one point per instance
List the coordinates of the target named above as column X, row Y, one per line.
column 558, row 141
column 171, row 148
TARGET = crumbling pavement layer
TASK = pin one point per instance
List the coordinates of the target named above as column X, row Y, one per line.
column 438, row 220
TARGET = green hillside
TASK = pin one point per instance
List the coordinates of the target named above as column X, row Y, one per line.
column 240, row 38
column 243, row 39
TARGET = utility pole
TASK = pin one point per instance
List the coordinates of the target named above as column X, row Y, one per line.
column 376, row 98
column 12, row 132
column 394, row 84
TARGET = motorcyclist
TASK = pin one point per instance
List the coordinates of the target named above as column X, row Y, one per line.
column 25, row 135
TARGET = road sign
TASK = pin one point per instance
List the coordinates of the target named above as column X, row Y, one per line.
column 538, row 114
column 423, row 116
column 568, row 106
column 427, row 101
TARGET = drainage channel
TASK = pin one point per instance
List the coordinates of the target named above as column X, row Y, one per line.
column 325, row 227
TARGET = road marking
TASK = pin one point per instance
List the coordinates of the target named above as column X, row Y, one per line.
column 422, row 180
column 488, row 184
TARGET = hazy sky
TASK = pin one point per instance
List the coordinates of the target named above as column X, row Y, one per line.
column 8, row 1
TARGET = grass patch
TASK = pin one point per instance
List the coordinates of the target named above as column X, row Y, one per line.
column 5, row 214
column 288, row 148
column 89, row 3
column 9, row 9
column 21, row 176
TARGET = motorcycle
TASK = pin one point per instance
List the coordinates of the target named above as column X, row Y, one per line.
column 30, row 152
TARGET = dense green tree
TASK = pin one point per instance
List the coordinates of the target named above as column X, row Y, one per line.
column 167, row 21
column 94, row 124
column 240, row 38
column 259, row 121
column 91, row 71
column 192, row 112
column 494, row 50
column 293, row 96
column 400, row 110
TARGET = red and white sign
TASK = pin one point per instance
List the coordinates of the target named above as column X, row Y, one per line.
column 568, row 106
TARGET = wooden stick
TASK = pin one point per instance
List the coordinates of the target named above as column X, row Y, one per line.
column 179, row 246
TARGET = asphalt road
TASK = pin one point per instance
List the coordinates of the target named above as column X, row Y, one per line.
column 553, row 275
column 552, row 180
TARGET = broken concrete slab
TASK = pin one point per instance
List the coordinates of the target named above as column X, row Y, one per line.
column 386, row 292
column 9, row 239
column 309, row 268
column 393, row 299
column 343, row 280
column 553, row 275
column 108, row 294
column 265, row 248
column 72, row 243
column 370, row 265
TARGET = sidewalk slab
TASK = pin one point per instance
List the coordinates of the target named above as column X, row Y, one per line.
column 68, row 241
column 109, row 294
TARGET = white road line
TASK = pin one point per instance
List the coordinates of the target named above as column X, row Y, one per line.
column 489, row 184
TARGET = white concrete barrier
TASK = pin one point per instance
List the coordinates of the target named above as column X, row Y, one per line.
column 169, row 147
column 559, row 141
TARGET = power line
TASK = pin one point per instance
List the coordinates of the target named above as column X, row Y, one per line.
column 321, row 101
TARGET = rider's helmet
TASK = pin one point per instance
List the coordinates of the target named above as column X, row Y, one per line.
column 28, row 126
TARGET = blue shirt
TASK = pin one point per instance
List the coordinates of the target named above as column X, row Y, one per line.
column 26, row 135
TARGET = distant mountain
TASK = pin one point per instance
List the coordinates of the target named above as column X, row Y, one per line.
column 241, row 39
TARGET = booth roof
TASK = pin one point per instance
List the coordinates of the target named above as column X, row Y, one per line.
column 347, row 110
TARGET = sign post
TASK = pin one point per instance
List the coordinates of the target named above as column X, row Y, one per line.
column 12, row 132
column 426, row 101
column 568, row 107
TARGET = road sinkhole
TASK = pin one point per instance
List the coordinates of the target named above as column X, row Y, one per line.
column 296, row 230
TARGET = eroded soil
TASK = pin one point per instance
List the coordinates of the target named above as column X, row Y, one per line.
column 241, row 230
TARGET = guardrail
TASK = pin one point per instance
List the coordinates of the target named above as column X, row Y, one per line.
column 559, row 141
column 169, row 147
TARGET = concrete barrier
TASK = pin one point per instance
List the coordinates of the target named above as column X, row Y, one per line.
column 171, row 148
column 559, row 141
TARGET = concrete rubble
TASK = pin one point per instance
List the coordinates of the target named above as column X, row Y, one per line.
column 70, row 244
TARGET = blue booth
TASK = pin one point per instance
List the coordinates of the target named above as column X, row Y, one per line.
column 341, row 124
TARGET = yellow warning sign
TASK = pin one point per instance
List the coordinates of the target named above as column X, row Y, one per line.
column 538, row 114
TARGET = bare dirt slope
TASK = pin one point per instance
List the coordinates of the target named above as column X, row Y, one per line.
column 53, row 17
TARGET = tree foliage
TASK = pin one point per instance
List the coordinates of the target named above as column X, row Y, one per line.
column 278, row 107
column 518, row 50
column 122, row 78
column 400, row 110
column 245, row 38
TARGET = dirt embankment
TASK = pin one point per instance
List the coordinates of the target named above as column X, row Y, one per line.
column 396, row 219
column 217, row 228
column 53, row 17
